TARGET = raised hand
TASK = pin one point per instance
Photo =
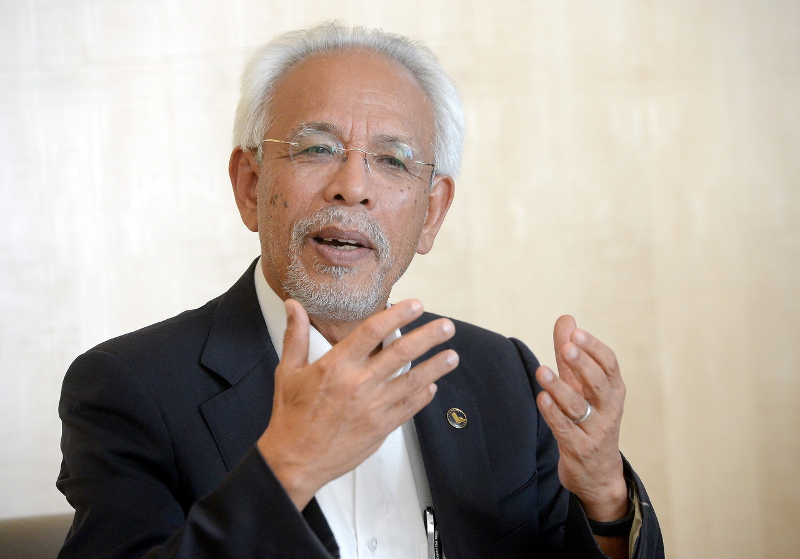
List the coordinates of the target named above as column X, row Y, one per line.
column 330, row 415
column 583, row 407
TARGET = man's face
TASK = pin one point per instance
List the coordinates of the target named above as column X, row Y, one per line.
column 337, row 241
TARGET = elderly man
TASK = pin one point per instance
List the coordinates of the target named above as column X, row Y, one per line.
column 302, row 415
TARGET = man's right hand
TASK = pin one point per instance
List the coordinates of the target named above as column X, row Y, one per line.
column 330, row 415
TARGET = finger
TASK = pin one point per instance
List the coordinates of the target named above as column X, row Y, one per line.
column 422, row 376
column 562, row 331
column 364, row 339
column 593, row 379
column 564, row 429
column 406, row 408
column 410, row 346
column 570, row 403
column 295, row 338
column 602, row 355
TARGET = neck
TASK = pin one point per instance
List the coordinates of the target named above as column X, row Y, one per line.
column 335, row 331
column 332, row 330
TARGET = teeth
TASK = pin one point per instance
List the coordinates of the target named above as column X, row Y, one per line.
column 346, row 241
column 341, row 244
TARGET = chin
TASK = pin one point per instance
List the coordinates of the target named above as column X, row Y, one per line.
column 335, row 293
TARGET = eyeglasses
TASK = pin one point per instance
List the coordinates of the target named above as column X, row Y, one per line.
column 323, row 153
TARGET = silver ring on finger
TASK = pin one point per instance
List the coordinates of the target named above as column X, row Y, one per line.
column 585, row 416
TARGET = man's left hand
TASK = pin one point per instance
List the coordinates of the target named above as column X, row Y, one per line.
column 590, row 464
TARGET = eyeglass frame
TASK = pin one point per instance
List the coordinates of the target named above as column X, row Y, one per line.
column 344, row 151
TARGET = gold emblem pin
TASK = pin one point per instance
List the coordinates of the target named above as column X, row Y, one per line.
column 457, row 418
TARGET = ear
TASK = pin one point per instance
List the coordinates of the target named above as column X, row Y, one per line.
column 439, row 200
column 243, row 171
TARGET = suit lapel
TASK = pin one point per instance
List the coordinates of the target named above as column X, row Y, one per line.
column 240, row 351
column 238, row 416
column 458, row 471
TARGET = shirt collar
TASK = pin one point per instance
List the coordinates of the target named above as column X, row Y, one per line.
column 275, row 316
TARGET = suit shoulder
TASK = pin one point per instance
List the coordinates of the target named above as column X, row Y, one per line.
column 162, row 360
column 471, row 335
column 184, row 330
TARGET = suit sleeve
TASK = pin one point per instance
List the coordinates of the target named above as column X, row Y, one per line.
column 119, row 474
column 563, row 526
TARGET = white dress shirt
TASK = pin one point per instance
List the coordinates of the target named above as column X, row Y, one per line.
column 375, row 510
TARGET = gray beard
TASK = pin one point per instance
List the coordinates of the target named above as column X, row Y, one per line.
column 336, row 299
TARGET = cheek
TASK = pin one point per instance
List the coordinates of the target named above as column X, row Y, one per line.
column 277, row 203
column 273, row 192
column 273, row 218
column 409, row 215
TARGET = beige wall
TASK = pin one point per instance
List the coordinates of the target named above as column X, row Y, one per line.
column 636, row 164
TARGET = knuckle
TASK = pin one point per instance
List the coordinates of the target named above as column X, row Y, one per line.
column 414, row 382
column 406, row 408
column 290, row 334
column 404, row 349
column 356, row 390
column 354, row 394
column 576, row 408
column 373, row 328
column 598, row 385
column 561, row 425
column 328, row 368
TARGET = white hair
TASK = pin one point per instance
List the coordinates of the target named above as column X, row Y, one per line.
column 268, row 62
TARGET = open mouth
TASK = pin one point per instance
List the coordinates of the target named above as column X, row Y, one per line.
column 341, row 239
column 340, row 244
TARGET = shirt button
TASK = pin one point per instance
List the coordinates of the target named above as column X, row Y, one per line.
column 372, row 544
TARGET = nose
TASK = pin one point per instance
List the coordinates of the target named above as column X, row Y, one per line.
column 351, row 183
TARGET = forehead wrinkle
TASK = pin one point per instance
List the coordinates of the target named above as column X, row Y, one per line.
column 330, row 128
column 315, row 126
column 370, row 110
column 374, row 105
column 396, row 103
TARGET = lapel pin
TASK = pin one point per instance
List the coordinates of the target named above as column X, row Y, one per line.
column 457, row 418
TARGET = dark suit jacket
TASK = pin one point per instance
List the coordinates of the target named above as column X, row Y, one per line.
column 159, row 460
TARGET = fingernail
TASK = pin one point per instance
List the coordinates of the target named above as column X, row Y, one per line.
column 579, row 336
column 547, row 375
column 416, row 307
column 433, row 388
column 572, row 352
column 448, row 327
column 451, row 358
column 545, row 399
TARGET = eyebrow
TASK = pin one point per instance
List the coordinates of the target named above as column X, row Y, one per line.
column 399, row 139
column 330, row 128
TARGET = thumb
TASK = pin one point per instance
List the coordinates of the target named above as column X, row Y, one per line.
column 295, row 338
column 562, row 331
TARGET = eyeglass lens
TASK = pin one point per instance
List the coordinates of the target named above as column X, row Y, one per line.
column 390, row 160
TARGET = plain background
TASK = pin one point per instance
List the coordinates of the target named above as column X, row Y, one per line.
column 634, row 163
